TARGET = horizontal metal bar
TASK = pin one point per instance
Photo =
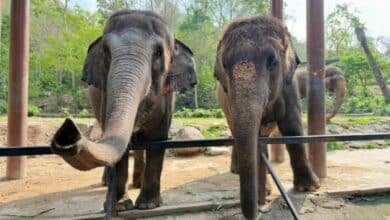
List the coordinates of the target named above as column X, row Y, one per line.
column 265, row 140
column 19, row 151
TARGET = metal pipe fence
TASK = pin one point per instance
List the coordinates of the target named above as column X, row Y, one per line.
column 110, row 204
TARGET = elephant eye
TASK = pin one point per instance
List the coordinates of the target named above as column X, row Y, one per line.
column 272, row 63
column 158, row 52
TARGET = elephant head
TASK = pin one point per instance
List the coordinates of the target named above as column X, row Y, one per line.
column 254, row 60
column 335, row 83
column 130, row 63
column 182, row 70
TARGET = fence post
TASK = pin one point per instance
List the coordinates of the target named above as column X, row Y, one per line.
column 316, row 107
column 277, row 150
column 18, row 85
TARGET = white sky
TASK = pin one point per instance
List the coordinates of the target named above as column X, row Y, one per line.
column 374, row 13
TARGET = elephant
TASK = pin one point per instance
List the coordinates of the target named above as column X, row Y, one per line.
column 129, row 71
column 334, row 83
column 255, row 63
column 183, row 66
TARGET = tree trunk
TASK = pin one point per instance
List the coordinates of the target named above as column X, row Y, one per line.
column 374, row 65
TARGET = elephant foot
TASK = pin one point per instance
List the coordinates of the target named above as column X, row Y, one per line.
column 148, row 201
column 306, row 182
column 123, row 204
column 234, row 168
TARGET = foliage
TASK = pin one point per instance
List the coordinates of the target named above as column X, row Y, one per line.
column 199, row 113
column 84, row 113
column 3, row 107
column 66, row 112
column 60, row 35
column 32, row 110
column 340, row 33
column 331, row 146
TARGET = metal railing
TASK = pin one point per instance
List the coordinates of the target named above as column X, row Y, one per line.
column 110, row 204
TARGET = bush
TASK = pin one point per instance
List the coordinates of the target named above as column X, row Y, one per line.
column 66, row 112
column 32, row 110
column 199, row 113
column 3, row 107
column 372, row 104
column 84, row 113
column 330, row 146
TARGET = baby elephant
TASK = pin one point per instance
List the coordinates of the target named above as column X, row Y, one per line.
column 254, row 66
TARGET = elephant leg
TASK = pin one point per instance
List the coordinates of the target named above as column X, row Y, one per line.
column 149, row 197
column 276, row 150
column 139, row 166
column 304, row 177
column 104, row 177
column 121, row 169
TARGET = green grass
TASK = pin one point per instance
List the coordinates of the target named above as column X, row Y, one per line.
column 331, row 146
column 353, row 121
column 214, row 131
column 369, row 145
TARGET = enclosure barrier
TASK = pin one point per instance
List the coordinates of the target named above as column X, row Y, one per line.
column 41, row 150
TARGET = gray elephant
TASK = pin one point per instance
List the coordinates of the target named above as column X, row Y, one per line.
column 182, row 70
column 129, row 68
column 254, row 67
column 334, row 83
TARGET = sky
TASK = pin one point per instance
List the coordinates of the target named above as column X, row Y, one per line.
column 374, row 13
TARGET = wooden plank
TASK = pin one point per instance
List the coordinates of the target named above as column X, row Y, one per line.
column 360, row 191
column 169, row 210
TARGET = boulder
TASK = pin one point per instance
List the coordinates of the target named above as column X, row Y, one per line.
column 188, row 133
column 215, row 151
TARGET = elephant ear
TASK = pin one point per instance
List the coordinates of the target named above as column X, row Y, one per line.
column 292, row 61
column 182, row 74
column 95, row 70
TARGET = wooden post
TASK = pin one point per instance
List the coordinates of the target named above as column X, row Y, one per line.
column 316, row 97
column 18, row 85
column 277, row 150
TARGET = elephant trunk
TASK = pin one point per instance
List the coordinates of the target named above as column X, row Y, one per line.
column 340, row 94
column 246, row 145
column 126, row 86
column 247, row 107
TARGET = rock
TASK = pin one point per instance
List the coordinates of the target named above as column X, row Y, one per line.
column 226, row 133
column 334, row 129
column 175, row 127
column 188, row 133
column 215, row 151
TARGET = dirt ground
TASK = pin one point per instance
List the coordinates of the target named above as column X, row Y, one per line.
column 54, row 190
